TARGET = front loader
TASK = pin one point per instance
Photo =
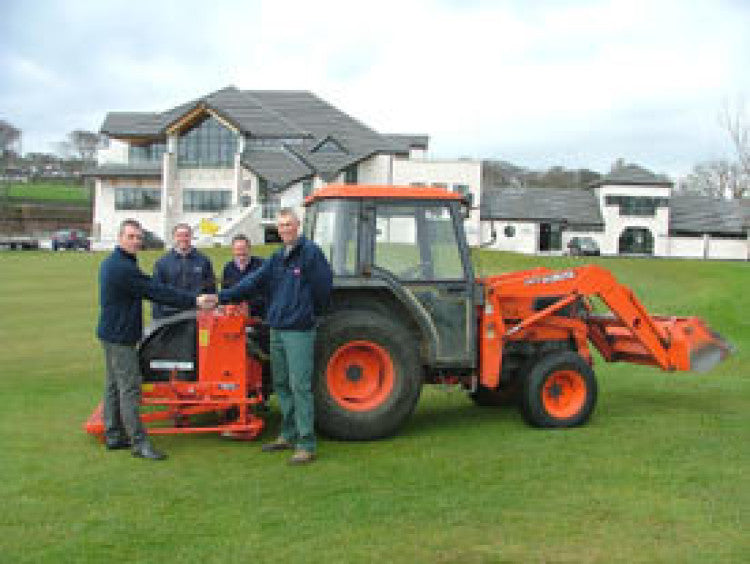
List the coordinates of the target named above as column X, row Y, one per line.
column 407, row 309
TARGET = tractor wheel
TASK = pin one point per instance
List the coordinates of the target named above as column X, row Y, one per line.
column 559, row 391
column 368, row 378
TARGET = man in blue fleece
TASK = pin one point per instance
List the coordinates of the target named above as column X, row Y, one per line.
column 297, row 280
column 122, row 287
column 183, row 267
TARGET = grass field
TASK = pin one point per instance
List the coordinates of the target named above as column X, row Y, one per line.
column 660, row 474
column 61, row 192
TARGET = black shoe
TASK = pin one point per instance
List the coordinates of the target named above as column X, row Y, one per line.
column 147, row 450
column 279, row 444
column 117, row 444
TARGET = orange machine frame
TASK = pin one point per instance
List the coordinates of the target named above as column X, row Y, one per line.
column 628, row 333
column 229, row 383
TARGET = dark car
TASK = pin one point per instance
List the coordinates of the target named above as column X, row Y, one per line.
column 71, row 239
column 151, row 241
column 583, row 246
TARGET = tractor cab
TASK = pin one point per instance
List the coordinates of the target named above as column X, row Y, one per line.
column 402, row 244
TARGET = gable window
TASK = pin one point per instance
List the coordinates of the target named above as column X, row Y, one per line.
column 207, row 144
column 206, row 200
column 135, row 198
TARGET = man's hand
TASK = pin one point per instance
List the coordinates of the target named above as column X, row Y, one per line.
column 207, row 301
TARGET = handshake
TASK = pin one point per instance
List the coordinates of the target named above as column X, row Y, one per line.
column 207, row 301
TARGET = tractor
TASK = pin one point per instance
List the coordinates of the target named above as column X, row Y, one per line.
column 407, row 310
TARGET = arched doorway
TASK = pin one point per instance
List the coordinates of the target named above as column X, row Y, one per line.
column 636, row 241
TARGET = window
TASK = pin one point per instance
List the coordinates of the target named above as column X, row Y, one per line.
column 636, row 240
column 417, row 243
column 509, row 231
column 135, row 198
column 636, row 205
column 146, row 153
column 206, row 200
column 350, row 174
column 307, row 187
column 207, row 143
column 442, row 185
column 329, row 146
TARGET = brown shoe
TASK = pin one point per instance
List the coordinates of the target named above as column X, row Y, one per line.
column 302, row 456
column 279, row 444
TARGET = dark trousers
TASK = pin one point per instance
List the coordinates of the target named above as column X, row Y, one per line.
column 122, row 394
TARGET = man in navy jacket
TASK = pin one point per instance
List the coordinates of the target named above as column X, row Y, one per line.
column 297, row 280
column 183, row 267
column 241, row 265
column 122, row 287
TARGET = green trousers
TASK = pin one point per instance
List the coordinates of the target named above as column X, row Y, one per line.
column 292, row 357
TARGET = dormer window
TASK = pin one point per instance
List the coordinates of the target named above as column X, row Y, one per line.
column 328, row 145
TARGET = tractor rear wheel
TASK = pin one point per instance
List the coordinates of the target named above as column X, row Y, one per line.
column 368, row 377
column 559, row 391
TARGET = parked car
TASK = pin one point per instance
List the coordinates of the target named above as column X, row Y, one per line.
column 71, row 239
column 151, row 241
column 583, row 246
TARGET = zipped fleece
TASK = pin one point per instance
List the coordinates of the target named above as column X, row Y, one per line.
column 122, row 286
column 298, row 286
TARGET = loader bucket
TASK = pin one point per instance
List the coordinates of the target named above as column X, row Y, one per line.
column 696, row 346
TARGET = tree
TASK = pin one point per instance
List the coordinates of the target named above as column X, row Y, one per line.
column 735, row 122
column 84, row 143
column 717, row 179
column 8, row 136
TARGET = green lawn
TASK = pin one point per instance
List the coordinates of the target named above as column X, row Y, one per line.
column 660, row 474
column 48, row 191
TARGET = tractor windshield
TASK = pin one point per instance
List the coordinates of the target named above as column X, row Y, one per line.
column 417, row 242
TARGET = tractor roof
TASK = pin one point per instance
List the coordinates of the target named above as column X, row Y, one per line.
column 388, row 192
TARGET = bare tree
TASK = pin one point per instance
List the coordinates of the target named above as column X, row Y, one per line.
column 735, row 122
column 717, row 179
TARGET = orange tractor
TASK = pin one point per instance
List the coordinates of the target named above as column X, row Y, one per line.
column 407, row 309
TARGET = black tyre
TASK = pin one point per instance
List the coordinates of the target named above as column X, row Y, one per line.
column 560, row 390
column 368, row 376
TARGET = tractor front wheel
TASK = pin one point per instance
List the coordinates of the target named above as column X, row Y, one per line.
column 559, row 391
column 368, row 378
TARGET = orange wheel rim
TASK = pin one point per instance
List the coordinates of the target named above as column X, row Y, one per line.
column 360, row 375
column 564, row 393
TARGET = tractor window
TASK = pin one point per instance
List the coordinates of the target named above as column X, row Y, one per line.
column 417, row 242
column 334, row 229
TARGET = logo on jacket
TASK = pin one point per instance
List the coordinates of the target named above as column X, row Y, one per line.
column 297, row 271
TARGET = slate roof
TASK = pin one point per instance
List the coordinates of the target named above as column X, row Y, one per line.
column 689, row 213
column 634, row 175
column 277, row 165
column 284, row 114
column 576, row 207
column 406, row 141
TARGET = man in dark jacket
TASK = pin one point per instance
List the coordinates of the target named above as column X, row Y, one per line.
column 183, row 267
column 122, row 287
column 241, row 265
column 297, row 280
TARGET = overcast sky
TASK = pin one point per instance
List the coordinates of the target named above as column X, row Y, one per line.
column 576, row 83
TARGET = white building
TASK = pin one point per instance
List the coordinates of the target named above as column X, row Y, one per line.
column 630, row 211
column 228, row 161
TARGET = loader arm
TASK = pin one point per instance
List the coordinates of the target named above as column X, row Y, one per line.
column 628, row 333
